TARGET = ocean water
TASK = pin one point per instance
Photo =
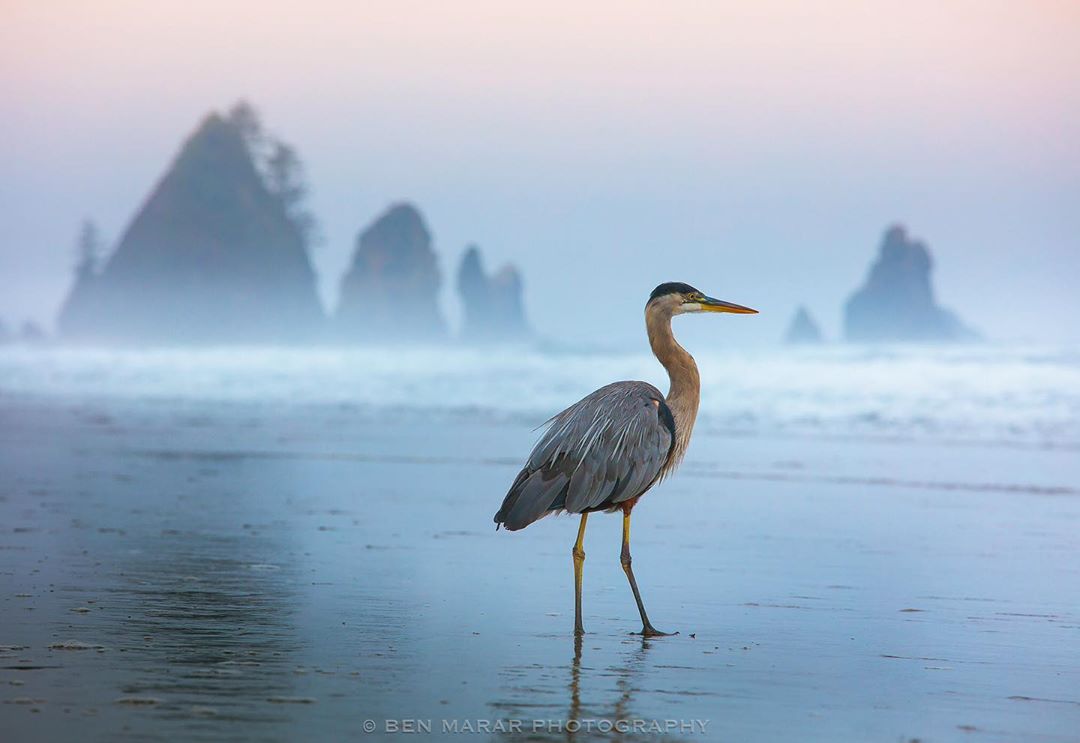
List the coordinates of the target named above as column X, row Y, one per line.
column 1014, row 395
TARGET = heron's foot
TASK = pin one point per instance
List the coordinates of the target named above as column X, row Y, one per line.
column 649, row 631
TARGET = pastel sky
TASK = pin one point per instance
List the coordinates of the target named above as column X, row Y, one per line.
column 754, row 149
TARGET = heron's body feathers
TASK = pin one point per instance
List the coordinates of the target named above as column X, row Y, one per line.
column 602, row 451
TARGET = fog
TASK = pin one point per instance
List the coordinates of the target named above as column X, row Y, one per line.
column 757, row 151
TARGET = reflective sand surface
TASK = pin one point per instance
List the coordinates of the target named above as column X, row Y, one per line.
column 224, row 571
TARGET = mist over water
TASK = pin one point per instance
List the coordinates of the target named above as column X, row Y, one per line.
column 1022, row 395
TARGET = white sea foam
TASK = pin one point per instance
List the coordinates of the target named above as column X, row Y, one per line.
column 976, row 392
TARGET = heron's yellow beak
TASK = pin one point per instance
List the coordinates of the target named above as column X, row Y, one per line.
column 717, row 305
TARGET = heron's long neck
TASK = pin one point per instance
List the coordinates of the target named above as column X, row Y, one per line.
column 685, row 390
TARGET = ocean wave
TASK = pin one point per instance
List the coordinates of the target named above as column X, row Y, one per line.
column 1023, row 394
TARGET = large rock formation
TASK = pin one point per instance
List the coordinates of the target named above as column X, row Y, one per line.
column 390, row 292
column 211, row 257
column 897, row 302
column 803, row 330
column 494, row 311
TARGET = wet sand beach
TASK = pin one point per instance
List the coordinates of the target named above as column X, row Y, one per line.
column 185, row 571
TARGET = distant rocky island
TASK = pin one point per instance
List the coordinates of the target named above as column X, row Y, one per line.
column 213, row 256
column 897, row 301
column 30, row 333
column 494, row 311
column 219, row 253
column 803, row 329
column 390, row 291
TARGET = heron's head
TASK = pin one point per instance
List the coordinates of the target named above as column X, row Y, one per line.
column 676, row 298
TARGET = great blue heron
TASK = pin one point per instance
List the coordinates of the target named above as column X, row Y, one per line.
column 603, row 452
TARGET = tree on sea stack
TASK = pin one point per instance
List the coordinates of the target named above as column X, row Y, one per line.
column 285, row 177
column 88, row 249
column 280, row 166
column 79, row 306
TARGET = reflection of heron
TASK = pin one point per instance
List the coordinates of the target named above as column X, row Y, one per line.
column 603, row 452
column 624, row 684
column 604, row 701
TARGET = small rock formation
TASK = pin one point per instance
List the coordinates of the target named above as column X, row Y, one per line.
column 803, row 330
column 390, row 292
column 31, row 333
column 897, row 302
column 212, row 256
column 494, row 311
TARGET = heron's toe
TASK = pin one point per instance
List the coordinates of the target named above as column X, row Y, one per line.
column 650, row 631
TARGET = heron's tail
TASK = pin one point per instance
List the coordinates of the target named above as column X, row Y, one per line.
column 530, row 498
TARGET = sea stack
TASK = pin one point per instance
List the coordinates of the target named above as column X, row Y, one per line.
column 493, row 306
column 211, row 257
column 803, row 331
column 390, row 292
column 31, row 333
column 897, row 301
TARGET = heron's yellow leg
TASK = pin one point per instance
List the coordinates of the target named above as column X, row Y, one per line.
column 646, row 626
column 579, row 563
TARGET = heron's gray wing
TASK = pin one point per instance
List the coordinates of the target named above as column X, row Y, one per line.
column 603, row 450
